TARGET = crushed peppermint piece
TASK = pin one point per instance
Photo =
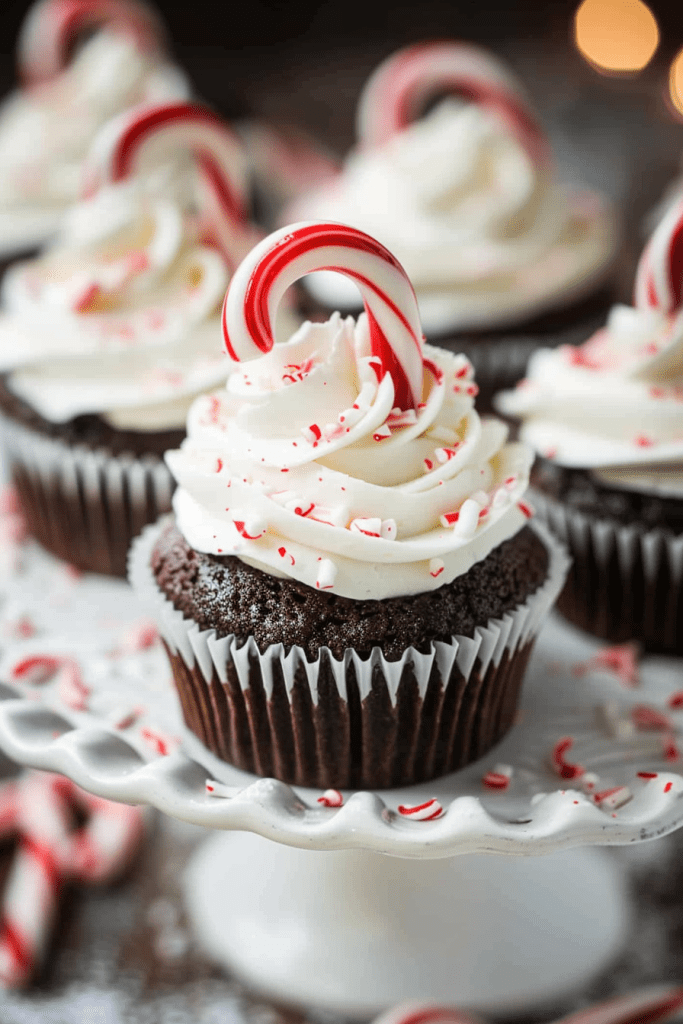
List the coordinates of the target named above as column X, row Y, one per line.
column 381, row 433
column 388, row 529
column 427, row 811
column 468, row 519
column 564, row 768
column 369, row 527
column 331, row 798
column 589, row 782
column 436, row 567
column 526, row 509
column 444, row 455
column 158, row 741
column 675, row 701
column 327, row 574
column 621, row 659
column 36, row 669
column 250, row 531
column 71, row 688
column 448, row 519
column 613, row 798
column 648, row 719
column 312, row 433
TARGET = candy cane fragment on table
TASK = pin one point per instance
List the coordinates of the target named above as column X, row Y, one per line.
column 425, row 1013
column 292, row 252
column 40, row 810
column 659, row 277
column 53, row 27
column 154, row 133
column 399, row 90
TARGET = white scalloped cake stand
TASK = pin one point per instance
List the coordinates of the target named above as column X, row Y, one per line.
column 351, row 929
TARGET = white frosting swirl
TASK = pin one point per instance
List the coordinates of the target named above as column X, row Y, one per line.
column 303, row 468
column 121, row 315
column 613, row 405
column 46, row 131
column 486, row 236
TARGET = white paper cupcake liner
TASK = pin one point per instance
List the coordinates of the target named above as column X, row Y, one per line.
column 625, row 582
column 84, row 505
column 349, row 721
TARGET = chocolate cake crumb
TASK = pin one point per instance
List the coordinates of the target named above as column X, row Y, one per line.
column 225, row 594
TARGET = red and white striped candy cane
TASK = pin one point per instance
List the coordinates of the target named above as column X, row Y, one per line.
column 52, row 27
column 650, row 1005
column 153, row 133
column 398, row 91
column 659, row 278
column 288, row 254
column 425, row 1013
column 39, row 808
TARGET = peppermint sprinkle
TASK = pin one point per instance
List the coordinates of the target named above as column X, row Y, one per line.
column 381, row 433
column 331, row 798
column 564, row 768
column 498, row 778
column 284, row 553
column 401, row 418
column 312, row 433
column 613, row 798
column 647, row 719
column 36, row 669
column 327, row 574
column 641, row 441
column 427, row 811
column 436, row 567
column 445, row 454
column 368, row 527
column 388, row 529
column 219, row 465
column 449, row 519
column 428, row 465
column 250, row 530
column 525, row 509
column 468, row 519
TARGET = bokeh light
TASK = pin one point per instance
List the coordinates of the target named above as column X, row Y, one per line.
column 676, row 82
column 616, row 35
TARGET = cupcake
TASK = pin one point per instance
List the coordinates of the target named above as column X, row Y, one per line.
column 469, row 199
column 107, row 337
column 606, row 419
column 351, row 586
column 49, row 123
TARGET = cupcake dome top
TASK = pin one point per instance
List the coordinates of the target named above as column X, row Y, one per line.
column 350, row 456
column 466, row 196
column 615, row 403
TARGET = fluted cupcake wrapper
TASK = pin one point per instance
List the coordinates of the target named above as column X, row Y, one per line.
column 625, row 582
column 84, row 505
column 349, row 722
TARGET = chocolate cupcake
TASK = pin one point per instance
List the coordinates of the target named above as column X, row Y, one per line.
column 500, row 251
column 351, row 589
column 67, row 94
column 107, row 337
column 606, row 419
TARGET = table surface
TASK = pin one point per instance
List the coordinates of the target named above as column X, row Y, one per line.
column 124, row 955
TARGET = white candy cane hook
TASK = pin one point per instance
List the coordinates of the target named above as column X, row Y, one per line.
column 398, row 91
column 153, row 133
column 659, row 278
column 281, row 259
column 52, row 27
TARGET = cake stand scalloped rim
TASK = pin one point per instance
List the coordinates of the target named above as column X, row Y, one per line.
column 105, row 763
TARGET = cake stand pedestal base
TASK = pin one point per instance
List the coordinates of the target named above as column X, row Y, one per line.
column 355, row 932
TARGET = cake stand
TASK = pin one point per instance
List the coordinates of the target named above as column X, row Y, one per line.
column 358, row 907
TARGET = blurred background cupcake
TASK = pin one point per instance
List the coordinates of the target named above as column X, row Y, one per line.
column 467, row 194
column 107, row 337
column 80, row 63
column 351, row 590
column 606, row 419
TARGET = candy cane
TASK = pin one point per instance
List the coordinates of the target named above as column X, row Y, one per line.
column 659, row 277
column 398, row 91
column 154, row 133
column 425, row 1013
column 39, row 808
column 650, row 1005
column 281, row 259
column 52, row 27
